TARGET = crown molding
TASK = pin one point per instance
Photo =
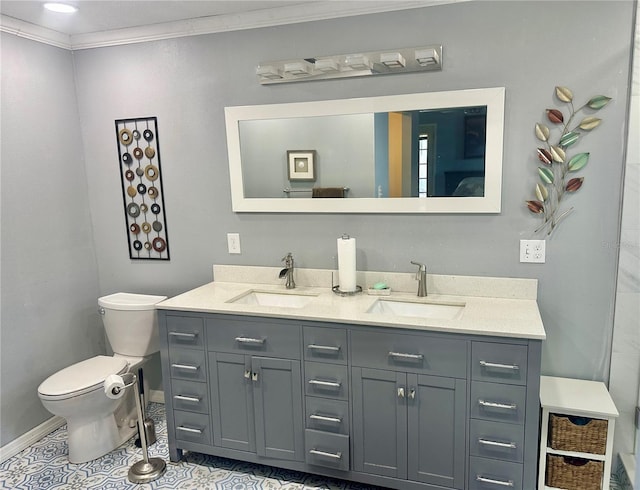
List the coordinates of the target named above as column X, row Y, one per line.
column 35, row 33
column 293, row 14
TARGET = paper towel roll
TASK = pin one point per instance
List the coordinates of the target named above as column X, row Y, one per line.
column 114, row 386
column 347, row 264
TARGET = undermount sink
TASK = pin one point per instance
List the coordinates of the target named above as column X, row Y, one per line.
column 272, row 298
column 444, row 311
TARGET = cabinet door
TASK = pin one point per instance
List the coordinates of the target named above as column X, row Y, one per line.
column 277, row 395
column 232, row 401
column 379, row 422
column 436, row 430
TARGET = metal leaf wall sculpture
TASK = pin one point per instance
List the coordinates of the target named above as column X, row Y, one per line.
column 557, row 167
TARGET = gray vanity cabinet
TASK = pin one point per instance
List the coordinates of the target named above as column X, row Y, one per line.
column 232, row 396
column 256, row 399
column 257, row 404
column 409, row 425
column 393, row 407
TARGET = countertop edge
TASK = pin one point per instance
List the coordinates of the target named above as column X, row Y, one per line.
column 523, row 319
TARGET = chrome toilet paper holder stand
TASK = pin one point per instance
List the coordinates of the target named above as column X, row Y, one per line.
column 147, row 469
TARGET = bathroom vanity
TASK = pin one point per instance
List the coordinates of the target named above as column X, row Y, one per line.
column 442, row 397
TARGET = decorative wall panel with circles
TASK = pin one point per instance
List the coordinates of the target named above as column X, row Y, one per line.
column 144, row 210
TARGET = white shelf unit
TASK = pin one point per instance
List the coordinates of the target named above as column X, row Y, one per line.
column 580, row 398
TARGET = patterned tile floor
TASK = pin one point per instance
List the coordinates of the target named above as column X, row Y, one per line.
column 44, row 466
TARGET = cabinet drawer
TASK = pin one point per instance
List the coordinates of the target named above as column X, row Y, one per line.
column 254, row 337
column 497, row 440
column 414, row 353
column 190, row 396
column 185, row 331
column 192, row 427
column 327, row 415
column 325, row 344
column 503, row 363
column 494, row 401
column 328, row 380
column 187, row 364
column 491, row 474
column 329, row 450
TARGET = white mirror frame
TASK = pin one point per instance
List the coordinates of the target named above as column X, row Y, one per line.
column 493, row 98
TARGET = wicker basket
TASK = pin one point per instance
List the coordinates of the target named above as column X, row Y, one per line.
column 590, row 437
column 574, row 473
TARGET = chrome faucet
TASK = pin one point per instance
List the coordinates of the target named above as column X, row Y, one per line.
column 288, row 271
column 421, row 277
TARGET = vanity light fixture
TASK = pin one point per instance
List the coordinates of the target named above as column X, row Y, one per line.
column 297, row 68
column 268, row 72
column 392, row 61
column 358, row 62
column 327, row 65
column 61, row 8
column 426, row 57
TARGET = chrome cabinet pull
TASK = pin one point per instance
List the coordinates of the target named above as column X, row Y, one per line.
column 412, row 394
column 327, row 384
column 495, row 365
column 249, row 340
column 247, row 374
column 400, row 392
column 491, row 481
column 506, row 445
column 189, row 429
column 254, row 376
column 402, row 355
column 505, row 406
column 183, row 334
column 316, row 452
column 327, row 348
column 324, row 418
column 185, row 398
column 186, row 367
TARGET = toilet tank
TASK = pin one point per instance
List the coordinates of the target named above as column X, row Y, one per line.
column 131, row 323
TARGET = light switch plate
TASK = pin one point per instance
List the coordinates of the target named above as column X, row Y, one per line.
column 532, row 251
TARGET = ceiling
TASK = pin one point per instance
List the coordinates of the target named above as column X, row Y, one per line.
column 99, row 23
column 107, row 15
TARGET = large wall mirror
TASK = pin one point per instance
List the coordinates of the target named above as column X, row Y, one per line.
column 437, row 152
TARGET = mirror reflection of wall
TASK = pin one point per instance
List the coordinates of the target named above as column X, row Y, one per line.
column 343, row 147
column 422, row 153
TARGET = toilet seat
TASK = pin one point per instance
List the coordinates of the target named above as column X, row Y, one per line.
column 80, row 378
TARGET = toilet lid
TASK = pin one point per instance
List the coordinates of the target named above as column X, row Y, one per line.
column 82, row 377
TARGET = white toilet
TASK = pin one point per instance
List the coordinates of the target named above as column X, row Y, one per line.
column 97, row 424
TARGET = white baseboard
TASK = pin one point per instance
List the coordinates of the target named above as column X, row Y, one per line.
column 47, row 427
column 156, row 396
column 34, row 435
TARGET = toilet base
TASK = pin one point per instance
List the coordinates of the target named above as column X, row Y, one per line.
column 91, row 439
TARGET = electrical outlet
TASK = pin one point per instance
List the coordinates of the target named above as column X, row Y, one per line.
column 532, row 251
column 233, row 243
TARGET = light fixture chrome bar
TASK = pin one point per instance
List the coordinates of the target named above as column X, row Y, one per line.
column 402, row 60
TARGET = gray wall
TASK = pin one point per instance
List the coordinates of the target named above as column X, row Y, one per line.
column 527, row 47
column 49, row 270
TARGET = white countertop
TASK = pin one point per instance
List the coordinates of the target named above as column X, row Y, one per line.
column 515, row 315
